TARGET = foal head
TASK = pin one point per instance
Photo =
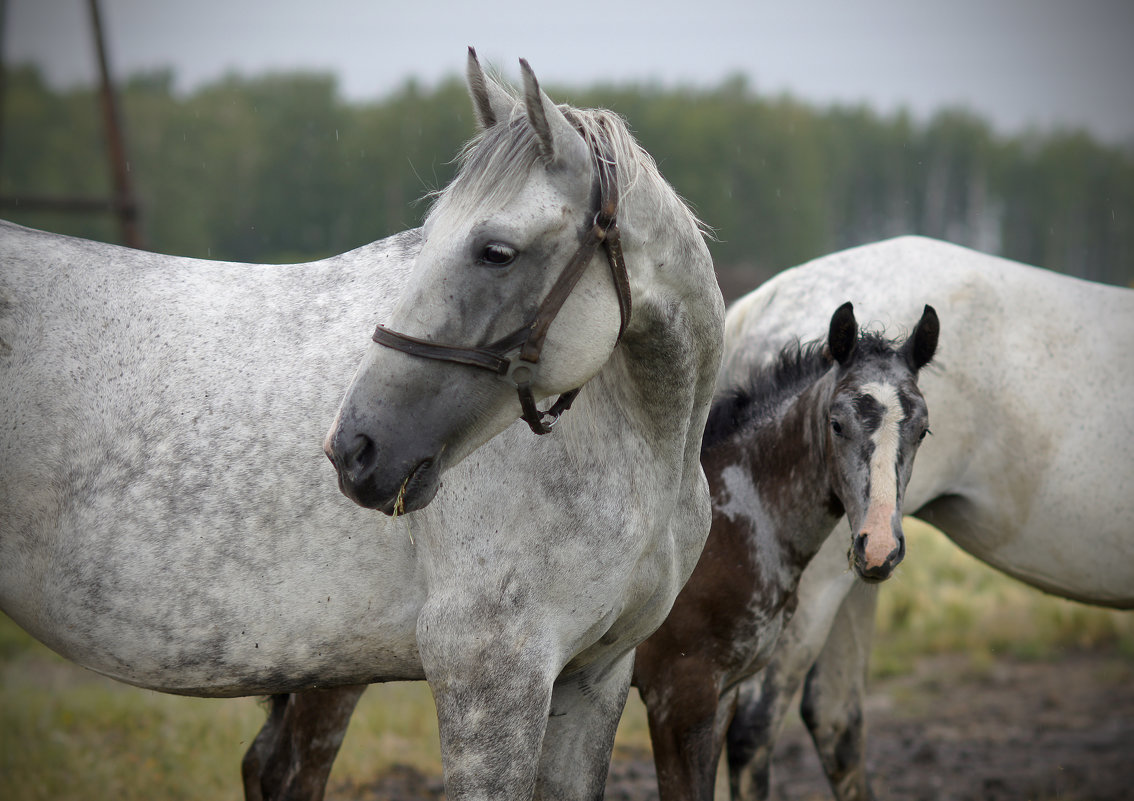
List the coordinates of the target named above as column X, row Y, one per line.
column 876, row 419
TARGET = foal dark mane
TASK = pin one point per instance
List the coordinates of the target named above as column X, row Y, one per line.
column 796, row 367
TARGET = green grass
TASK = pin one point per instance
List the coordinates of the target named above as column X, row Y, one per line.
column 66, row 733
column 942, row 600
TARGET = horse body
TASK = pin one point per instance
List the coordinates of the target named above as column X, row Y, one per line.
column 617, row 493
column 823, row 430
column 167, row 518
column 184, row 533
column 1028, row 468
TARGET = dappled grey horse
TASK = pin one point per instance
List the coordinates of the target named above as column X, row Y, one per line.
column 167, row 517
column 1028, row 468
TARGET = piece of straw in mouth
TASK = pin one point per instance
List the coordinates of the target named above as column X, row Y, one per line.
column 400, row 508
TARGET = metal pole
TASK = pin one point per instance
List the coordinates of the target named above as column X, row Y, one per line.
column 124, row 203
column 3, row 73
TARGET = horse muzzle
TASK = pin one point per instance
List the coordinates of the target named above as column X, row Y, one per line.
column 875, row 556
column 375, row 479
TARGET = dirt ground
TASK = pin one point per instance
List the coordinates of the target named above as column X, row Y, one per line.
column 1008, row 731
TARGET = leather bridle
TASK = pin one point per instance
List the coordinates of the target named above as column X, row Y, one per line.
column 515, row 357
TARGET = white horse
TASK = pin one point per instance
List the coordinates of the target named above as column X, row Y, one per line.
column 166, row 518
column 1030, row 467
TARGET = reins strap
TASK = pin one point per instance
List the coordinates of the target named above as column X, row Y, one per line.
column 607, row 218
column 560, row 291
column 534, row 417
column 488, row 357
column 613, row 245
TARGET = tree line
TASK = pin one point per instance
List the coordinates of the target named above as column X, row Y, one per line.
column 279, row 168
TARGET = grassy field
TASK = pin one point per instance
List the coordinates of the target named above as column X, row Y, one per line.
column 943, row 600
column 66, row 733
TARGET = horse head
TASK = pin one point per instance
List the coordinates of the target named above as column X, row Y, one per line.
column 876, row 420
column 510, row 303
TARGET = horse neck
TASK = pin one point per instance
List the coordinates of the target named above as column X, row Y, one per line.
column 666, row 364
column 780, row 460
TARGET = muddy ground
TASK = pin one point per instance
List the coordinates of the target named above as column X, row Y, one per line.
column 1011, row 730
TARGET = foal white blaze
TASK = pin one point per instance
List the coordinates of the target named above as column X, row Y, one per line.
column 880, row 523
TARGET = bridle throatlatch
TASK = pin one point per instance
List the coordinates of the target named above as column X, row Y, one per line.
column 515, row 357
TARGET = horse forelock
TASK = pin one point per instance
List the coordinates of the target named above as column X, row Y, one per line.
column 495, row 164
column 873, row 344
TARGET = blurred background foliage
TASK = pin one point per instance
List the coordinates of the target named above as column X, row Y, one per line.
column 278, row 168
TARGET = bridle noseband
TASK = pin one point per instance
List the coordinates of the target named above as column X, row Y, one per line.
column 515, row 357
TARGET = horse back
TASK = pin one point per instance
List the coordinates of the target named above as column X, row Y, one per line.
column 164, row 501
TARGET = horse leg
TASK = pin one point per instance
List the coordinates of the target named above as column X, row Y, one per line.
column 585, row 710
column 688, row 720
column 832, row 706
column 491, row 672
column 259, row 753
column 763, row 700
column 292, row 755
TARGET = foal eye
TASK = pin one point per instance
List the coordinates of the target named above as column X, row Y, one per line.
column 497, row 255
column 925, row 432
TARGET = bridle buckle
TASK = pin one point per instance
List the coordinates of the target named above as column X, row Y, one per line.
column 520, row 371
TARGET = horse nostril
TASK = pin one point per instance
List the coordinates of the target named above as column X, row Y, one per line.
column 362, row 458
column 898, row 554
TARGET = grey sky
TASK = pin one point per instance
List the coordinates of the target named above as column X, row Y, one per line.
column 1019, row 63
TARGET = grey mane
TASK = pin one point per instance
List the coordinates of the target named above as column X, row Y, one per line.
column 494, row 165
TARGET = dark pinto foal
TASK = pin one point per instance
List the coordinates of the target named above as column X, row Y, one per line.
column 829, row 429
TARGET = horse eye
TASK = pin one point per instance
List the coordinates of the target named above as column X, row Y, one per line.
column 837, row 427
column 924, row 434
column 497, row 255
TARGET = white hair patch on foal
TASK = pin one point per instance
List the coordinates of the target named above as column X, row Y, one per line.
column 883, row 472
column 888, row 436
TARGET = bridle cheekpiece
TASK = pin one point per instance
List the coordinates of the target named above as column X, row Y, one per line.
column 515, row 357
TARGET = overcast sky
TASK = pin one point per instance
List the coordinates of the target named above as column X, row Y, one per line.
column 1019, row 63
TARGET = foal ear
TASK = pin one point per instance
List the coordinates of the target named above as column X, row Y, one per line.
column 491, row 103
column 560, row 144
column 922, row 344
column 843, row 334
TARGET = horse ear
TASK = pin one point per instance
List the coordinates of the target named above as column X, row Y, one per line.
column 843, row 334
column 490, row 102
column 560, row 144
column 922, row 344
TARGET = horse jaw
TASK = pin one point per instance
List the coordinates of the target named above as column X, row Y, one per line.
column 405, row 420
